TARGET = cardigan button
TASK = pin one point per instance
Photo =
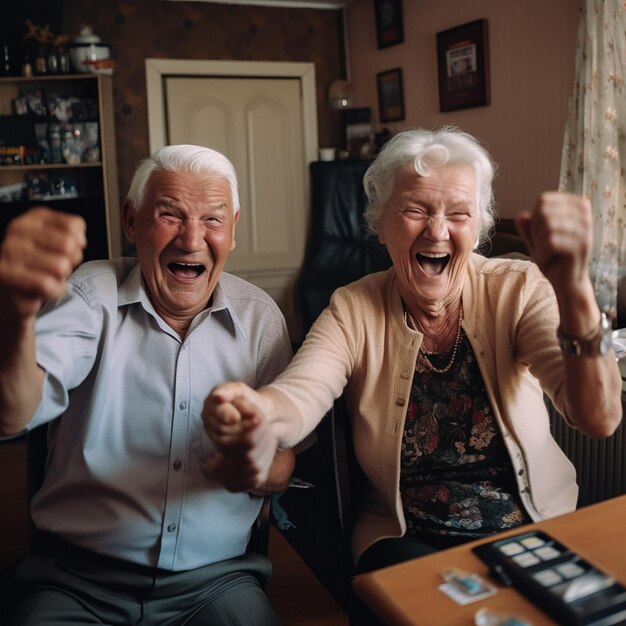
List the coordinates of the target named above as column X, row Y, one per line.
column 400, row 401
column 405, row 374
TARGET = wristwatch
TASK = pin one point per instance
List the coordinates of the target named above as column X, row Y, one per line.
column 597, row 343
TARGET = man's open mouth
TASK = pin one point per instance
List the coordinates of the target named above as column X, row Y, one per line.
column 186, row 270
column 433, row 263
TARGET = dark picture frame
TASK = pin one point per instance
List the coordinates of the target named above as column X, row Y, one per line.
column 389, row 24
column 390, row 95
column 463, row 66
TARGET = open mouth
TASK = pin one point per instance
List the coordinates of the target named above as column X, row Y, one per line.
column 433, row 263
column 186, row 270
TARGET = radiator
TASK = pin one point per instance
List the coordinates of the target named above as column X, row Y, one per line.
column 600, row 463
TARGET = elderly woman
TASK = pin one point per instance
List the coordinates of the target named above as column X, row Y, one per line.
column 443, row 360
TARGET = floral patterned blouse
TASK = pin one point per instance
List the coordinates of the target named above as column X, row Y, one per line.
column 456, row 476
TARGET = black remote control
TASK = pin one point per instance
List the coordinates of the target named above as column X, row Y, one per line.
column 567, row 587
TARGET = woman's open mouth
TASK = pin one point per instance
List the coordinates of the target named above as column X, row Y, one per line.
column 433, row 264
column 186, row 271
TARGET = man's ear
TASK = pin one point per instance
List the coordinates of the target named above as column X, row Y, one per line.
column 128, row 221
column 233, row 243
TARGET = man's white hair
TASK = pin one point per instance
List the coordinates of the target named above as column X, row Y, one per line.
column 183, row 158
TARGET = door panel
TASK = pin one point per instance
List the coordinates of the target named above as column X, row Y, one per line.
column 255, row 123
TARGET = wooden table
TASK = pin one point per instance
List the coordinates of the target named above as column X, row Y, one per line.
column 407, row 594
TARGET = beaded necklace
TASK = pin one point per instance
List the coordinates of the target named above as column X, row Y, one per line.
column 422, row 355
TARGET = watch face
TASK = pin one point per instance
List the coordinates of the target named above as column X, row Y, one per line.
column 606, row 340
column 605, row 344
column 618, row 339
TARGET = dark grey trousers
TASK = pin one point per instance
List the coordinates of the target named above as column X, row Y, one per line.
column 61, row 585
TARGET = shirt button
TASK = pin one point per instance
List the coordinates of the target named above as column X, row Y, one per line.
column 177, row 464
column 171, row 528
column 182, row 406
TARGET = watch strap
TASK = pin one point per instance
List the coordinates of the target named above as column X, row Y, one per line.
column 596, row 343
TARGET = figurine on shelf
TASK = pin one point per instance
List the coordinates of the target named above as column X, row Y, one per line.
column 63, row 54
column 44, row 53
column 40, row 65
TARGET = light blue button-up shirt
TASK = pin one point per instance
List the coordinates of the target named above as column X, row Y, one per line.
column 124, row 475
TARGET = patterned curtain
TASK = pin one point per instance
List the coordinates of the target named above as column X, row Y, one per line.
column 594, row 149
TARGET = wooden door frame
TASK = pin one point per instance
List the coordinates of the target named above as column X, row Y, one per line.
column 159, row 69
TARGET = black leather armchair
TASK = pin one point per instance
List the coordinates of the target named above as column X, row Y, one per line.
column 339, row 250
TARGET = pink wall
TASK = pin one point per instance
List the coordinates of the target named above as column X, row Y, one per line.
column 532, row 47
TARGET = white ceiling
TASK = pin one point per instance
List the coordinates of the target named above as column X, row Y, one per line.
column 299, row 4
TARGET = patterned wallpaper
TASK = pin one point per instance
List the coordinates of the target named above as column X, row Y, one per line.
column 140, row 29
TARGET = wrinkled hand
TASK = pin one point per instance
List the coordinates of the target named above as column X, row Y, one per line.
column 558, row 234
column 244, row 441
column 39, row 252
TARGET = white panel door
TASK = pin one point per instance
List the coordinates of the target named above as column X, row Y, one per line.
column 257, row 123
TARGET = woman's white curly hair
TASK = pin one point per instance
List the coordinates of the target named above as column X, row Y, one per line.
column 425, row 150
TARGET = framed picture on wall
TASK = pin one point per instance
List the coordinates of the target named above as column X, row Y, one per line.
column 389, row 26
column 463, row 66
column 390, row 95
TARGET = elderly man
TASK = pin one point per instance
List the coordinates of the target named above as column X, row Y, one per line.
column 118, row 357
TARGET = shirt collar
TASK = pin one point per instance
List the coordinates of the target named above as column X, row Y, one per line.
column 133, row 291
